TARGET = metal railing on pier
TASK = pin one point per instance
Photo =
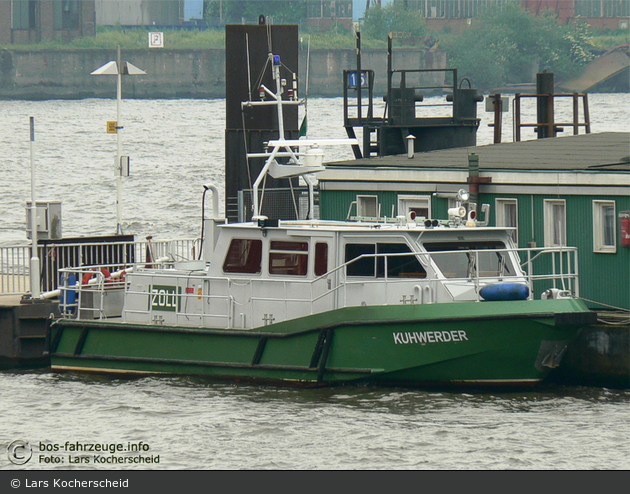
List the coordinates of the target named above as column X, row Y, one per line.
column 15, row 260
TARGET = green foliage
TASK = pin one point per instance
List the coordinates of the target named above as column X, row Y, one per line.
column 107, row 38
column 607, row 40
column 510, row 46
column 394, row 17
column 501, row 47
column 234, row 11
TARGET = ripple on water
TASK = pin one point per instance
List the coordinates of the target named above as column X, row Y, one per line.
column 193, row 423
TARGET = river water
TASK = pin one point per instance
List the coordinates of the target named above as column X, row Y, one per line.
column 174, row 146
column 193, row 424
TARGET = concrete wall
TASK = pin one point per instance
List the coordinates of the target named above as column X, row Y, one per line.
column 38, row 74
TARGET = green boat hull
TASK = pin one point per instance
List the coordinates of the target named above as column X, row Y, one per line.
column 486, row 343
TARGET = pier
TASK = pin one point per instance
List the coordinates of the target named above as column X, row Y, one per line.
column 24, row 336
column 598, row 357
column 24, row 321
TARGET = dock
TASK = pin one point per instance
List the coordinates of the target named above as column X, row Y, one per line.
column 24, row 322
column 599, row 357
column 24, row 334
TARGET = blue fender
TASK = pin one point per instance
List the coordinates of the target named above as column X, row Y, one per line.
column 505, row 291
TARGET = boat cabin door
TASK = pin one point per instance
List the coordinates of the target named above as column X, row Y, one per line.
column 326, row 278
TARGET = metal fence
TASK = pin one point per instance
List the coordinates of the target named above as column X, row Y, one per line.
column 15, row 260
column 280, row 203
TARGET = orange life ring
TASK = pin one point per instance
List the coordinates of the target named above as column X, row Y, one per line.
column 88, row 276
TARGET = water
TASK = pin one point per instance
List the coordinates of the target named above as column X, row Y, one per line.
column 175, row 146
column 194, row 424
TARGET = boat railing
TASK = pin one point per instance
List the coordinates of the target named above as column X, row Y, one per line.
column 97, row 292
column 15, row 260
column 560, row 262
column 231, row 302
column 540, row 268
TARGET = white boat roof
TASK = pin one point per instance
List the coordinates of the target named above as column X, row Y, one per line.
column 316, row 225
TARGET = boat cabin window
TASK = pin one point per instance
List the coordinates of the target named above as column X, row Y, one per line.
column 244, row 256
column 288, row 258
column 396, row 265
column 456, row 259
column 367, row 206
column 321, row 258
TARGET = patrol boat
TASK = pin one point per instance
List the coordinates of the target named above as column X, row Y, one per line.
column 398, row 301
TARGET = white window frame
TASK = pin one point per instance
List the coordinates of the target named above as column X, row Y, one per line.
column 362, row 205
column 406, row 202
column 599, row 227
column 550, row 221
column 501, row 217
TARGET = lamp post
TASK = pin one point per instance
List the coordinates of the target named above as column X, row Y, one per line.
column 35, row 267
column 118, row 68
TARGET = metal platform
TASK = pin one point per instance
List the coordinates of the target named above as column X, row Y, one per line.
column 24, row 335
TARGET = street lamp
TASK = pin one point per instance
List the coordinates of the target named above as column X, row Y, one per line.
column 118, row 68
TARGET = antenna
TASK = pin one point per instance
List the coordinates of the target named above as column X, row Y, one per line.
column 304, row 124
column 249, row 75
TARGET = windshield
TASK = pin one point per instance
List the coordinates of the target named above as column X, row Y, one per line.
column 398, row 265
column 459, row 261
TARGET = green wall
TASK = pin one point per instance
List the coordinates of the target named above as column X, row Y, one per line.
column 604, row 277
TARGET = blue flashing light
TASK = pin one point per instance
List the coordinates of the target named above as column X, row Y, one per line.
column 276, row 59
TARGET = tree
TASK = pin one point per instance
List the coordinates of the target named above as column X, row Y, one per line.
column 234, row 11
column 508, row 46
column 394, row 17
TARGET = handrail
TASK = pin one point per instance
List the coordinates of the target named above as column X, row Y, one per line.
column 15, row 259
column 338, row 286
column 552, row 126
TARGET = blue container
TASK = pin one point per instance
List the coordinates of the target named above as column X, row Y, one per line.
column 68, row 297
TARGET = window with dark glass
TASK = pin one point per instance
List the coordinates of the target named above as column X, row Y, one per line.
column 24, row 14
column 396, row 265
column 360, row 266
column 290, row 258
column 244, row 256
column 66, row 13
column 321, row 258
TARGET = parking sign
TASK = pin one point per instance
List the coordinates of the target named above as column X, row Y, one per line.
column 156, row 40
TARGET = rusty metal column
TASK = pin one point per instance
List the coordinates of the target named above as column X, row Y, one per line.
column 576, row 119
column 544, row 105
column 473, row 177
column 587, row 116
column 498, row 116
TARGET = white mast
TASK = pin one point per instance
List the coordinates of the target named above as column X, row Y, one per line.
column 35, row 291
column 118, row 68
column 308, row 157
